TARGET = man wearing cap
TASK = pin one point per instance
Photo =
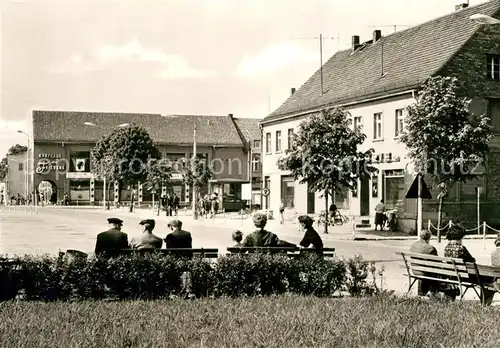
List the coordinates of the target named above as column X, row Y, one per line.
column 260, row 237
column 112, row 239
column 178, row 238
column 147, row 240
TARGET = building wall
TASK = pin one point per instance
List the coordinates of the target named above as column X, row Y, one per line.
column 16, row 175
column 388, row 143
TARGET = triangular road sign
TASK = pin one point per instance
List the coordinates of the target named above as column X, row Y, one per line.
column 413, row 191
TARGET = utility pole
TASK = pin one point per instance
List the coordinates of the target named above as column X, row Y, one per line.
column 195, row 216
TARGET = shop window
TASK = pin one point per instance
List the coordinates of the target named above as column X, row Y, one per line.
column 395, row 189
column 288, row 191
column 341, row 199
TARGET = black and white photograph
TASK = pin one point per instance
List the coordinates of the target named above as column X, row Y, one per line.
column 249, row 173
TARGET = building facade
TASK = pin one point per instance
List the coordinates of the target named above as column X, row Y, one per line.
column 17, row 175
column 63, row 143
column 375, row 81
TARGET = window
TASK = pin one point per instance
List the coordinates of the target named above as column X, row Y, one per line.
column 377, row 126
column 268, row 142
column 290, row 137
column 21, row 167
column 494, row 114
column 468, row 189
column 288, row 190
column 374, row 186
column 493, row 66
column 357, row 122
column 176, row 161
column 256, row 143
column 394, row 194
column 278, row 141
column 255, row 164
column 341, row 199
column 399, row 119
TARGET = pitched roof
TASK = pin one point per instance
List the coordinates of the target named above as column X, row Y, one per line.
column 409, row 57
column 249, row 127
column 68, row 126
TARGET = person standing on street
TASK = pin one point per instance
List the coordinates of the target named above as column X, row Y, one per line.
column 379, row 215
column 176, row 203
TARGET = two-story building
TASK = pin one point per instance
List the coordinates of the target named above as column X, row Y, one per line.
column 250, row 131
column 375, row 81
column 63, row 143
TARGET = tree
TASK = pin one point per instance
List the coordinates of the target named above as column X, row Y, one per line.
column 443, row 137
column 13, row 151
column 196, row 174
column 123, row 155
column 158, row 175
column 325, row 155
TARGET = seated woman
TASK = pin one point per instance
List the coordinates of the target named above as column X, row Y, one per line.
column 311, row 237
column 456, row 250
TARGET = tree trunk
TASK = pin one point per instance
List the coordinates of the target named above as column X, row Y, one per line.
column 440, row 217
column 131, row 199
column 326, row 212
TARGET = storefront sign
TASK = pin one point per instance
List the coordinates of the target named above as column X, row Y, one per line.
column 176, row 176
column 49, row 155
column 44, row 166
column 78, row 175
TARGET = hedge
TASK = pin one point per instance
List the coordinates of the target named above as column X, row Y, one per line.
column 156, row 276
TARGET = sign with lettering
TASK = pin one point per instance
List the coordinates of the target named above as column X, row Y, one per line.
column 44, row 166
column 49, row 155
column 79, row 175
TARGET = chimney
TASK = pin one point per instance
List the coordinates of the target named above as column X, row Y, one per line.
column 292, row 91
column 377, row 35
column 230, row 115
column 355, row 42
column 461, row 6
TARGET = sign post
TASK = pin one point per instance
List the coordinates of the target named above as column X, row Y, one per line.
column 419, row 190
column 478, row 191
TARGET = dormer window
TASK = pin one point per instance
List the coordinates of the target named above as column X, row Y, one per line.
column 493, row 66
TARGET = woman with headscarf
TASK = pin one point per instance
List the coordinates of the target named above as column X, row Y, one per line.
column 311, row 237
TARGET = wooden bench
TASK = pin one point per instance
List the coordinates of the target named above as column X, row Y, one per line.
column 289, row 251
column 445, row 270
column 203, row 252
column 483, row 276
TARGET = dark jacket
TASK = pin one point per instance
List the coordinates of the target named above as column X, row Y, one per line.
column 180, row 240
column 110, row 240
column 261, row 238
column 421, row 247
column 312, row 237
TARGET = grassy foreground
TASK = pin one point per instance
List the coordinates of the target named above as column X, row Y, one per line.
column 280, row 321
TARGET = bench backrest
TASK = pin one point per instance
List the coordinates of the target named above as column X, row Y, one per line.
column 207, row 253
column 435, row 266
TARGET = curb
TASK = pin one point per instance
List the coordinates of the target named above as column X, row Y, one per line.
column 488, row 236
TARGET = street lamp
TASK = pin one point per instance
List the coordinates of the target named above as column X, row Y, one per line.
column 91, row 124
column 27, row 163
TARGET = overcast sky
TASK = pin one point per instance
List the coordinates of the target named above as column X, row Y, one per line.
column 209, row 57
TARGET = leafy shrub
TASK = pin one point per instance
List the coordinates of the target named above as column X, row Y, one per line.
column 157, row 276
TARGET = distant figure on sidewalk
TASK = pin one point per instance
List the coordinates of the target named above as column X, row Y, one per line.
column 282, row 211
column 147, row 240
column 260, row 237
column 311, row 237
column 168, row 205
column 112, row 239
column 380, row 215
column 422, row 246
column 178, row 238
column 176, row 204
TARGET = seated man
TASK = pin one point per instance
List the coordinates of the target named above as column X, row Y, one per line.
column 178, row 238
column 147, row 240
column 111, row 240
column 261, row 237
column 422, row 246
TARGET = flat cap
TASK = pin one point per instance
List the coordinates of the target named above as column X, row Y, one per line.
column 175, row 223
column 115, row 221
column 147, row 222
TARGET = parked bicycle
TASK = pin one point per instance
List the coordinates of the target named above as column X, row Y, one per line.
column 336, row 219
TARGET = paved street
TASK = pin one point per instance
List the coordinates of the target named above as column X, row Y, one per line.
column 52, row 229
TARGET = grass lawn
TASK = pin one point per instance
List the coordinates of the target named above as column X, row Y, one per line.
column 284, row 321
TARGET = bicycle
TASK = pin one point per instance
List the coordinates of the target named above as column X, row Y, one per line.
column 338, row 219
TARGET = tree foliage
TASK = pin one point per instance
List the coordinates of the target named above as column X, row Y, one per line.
column 197, row 172
column 124, row 155
column 159, row 173
column 443, row 137
column 325, row 153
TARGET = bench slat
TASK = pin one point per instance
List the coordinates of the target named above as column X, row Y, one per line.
column 445, row 280
column 438, row 271
column 430, row 257
column 437, row 264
